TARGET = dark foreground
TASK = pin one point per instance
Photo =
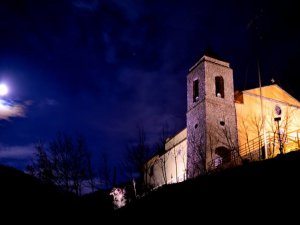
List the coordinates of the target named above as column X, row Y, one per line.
column 256, row 192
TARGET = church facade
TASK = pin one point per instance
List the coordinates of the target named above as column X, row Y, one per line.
column 224, row 127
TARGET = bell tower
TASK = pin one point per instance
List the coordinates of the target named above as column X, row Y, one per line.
column 211, row 116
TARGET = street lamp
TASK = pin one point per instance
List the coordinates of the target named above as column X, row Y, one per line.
column 277, row 119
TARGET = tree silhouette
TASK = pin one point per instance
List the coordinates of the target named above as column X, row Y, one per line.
column 65, row 162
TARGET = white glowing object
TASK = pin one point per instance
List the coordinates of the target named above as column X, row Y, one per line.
column 3, row 89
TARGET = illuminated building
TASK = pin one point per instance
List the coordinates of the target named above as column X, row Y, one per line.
column 225, row 128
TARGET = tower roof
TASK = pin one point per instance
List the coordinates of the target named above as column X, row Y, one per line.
column 209, row 59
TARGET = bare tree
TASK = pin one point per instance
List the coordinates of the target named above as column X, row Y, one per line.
column 257, row 126
column 198, row 159
column 65, row 163
column 227, row 139
column 175, row 155
column 285, row 126
column 254, row 126
column 245, row 130
column 152, row 182
column 272, row 136
column 137, row 154
column 282, row 130
column 91, row 175
column 162, row 163
column 105, row 172
column 183, row 158
column 80, row 164
column 212, row 141
column 163, row 155
column 41, row 166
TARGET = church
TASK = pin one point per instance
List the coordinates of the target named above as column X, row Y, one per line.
column 225, row 128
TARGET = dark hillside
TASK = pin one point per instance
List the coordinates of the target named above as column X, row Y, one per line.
column 97, row 204
column 256, row 191
column 24, row 195
column 265, row 189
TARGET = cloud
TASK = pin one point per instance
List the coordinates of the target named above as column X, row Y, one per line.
column 51, row 102
column 89, row 5
column 10, row 109
column 16, row 156
column 132, row 8
column 16, row 152
column 110, row 49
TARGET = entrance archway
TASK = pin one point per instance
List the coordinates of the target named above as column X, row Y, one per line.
column 225, row 153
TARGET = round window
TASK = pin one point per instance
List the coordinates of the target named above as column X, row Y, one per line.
column 277, row 110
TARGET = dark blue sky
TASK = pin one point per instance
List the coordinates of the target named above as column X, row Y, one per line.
column 101, row 68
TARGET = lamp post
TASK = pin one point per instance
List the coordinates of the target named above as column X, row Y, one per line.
column 277, row 119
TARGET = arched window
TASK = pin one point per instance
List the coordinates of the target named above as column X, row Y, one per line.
column 219, row 81
column 195, row 90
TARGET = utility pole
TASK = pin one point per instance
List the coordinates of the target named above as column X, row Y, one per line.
column 262, row 114
column 277, row 119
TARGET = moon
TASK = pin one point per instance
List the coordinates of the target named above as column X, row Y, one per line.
column 3, row 89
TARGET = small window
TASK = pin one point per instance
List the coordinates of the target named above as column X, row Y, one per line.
column 219, row 81
column 222, row 123
column 196, row 125
column 195, row 90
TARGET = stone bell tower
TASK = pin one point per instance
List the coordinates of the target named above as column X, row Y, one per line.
column 211, row 117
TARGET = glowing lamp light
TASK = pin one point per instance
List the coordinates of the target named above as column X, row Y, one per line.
column 3, row 89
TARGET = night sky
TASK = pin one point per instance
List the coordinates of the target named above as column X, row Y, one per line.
column 102, row 68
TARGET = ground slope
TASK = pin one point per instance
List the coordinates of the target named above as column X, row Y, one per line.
column 258, row 190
